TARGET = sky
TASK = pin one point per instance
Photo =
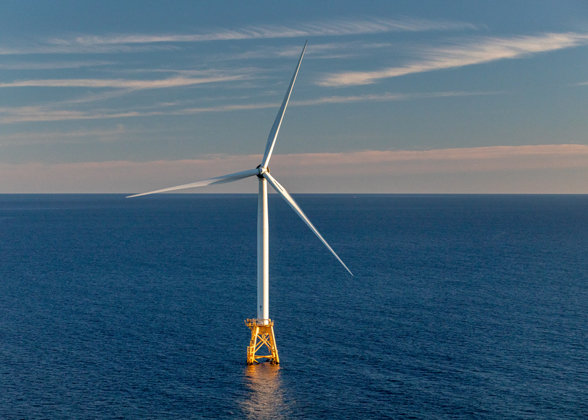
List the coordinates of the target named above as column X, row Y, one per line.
column 392, row 96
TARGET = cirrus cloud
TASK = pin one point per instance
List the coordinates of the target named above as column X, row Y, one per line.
column 325, row 28
column 120, row 83
column 478, row 51
column 99, row 44
column 50, row 113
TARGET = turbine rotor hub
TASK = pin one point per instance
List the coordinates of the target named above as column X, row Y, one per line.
column 262, row 170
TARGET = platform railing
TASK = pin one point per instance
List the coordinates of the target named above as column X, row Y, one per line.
column 258, row 322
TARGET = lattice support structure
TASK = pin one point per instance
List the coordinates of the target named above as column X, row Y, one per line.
column 262, row 335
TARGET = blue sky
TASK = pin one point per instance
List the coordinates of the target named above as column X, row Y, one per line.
column 392, row 96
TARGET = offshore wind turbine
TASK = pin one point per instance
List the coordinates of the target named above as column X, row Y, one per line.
column 262, row 331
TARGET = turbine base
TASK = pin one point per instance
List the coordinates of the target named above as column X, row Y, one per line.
column 262, row 335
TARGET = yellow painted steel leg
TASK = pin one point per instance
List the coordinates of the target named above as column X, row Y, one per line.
column 262, row 335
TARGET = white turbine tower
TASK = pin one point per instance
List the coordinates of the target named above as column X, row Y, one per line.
column 262, row 332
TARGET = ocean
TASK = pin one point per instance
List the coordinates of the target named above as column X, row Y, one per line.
column 460, row 307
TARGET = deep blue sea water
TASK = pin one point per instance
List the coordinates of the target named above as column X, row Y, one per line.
column 461, row 307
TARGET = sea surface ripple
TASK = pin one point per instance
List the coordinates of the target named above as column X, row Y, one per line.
column 461, row 307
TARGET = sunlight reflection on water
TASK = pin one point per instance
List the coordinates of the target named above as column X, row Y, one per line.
column 266, row 394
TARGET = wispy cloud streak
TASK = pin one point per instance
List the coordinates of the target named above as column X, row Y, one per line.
column 473, row 52
column 63, row 137
column 332, row 28
column 351, row 49
column 52, row 66
column 47, row 113
column 387, row 97
column 120, row 83
column 139, row 42
column 73, row 48
column 39, row 114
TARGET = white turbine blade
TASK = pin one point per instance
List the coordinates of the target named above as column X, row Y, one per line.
column 218, row 180
column 271, row 140
column 282, row 191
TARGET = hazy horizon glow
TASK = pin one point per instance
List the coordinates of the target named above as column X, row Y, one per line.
column 111, row 176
